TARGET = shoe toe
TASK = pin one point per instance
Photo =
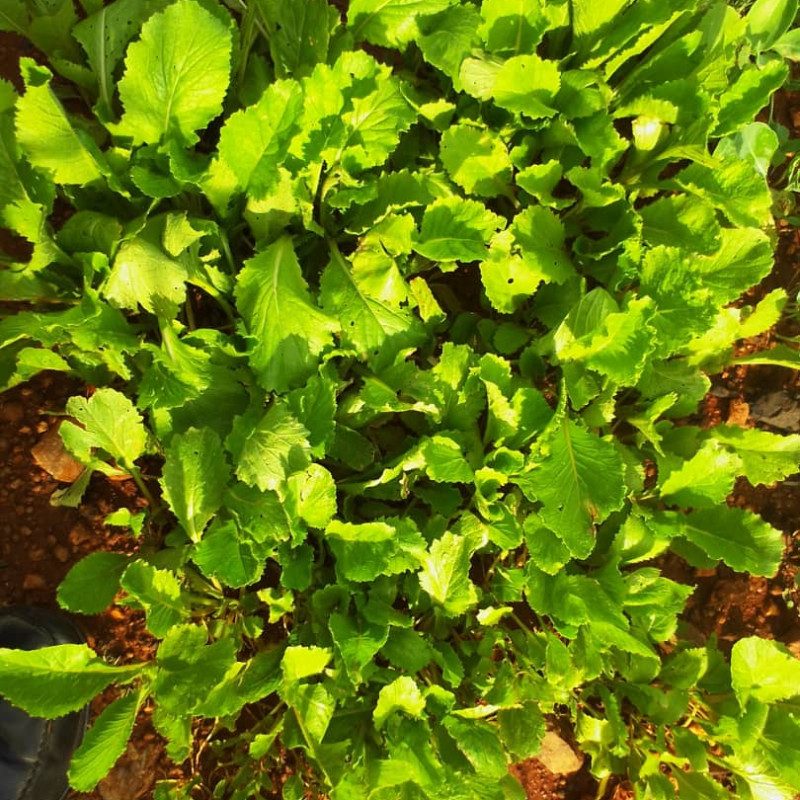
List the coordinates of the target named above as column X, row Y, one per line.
column 35, row 753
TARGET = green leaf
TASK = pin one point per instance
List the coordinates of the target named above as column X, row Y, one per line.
column 304, row 662
column 521, row 730
column 768, row 20
column 683, row 305
column 545, row 548
column 223, row 553
column 788, row 45
column 287, row 331
column 390, row 23
column 744, row 259
column 590, row 20
column 705, row 479
column 300, row 33
column 92, row 584
column 508, row 278
column 579, row 480
column 177, row 730
column 478, row 741
column 524, row 84
column 176, row 75
column 779, row 356
column 244, row 682
column 681, row 221
column 313, row 706
column 314, row 406
column 104, row 743
column 268, row 449
column 402, row 694
column 766, row 457
column 194, row 478
column 444, row 462
column 733, row 186
column 684, row 669
column 755, row 143
column 313, row 493
column 110, row 423
column 476, row 160
column 407, row 649
column 512, row 28
column 616, row 344
column 363, row 552
column 763, row 670
column 158, row 592
column 779, row 742
column 739, row 538
column 375, row 122
column 741, row 101
column 54, row 681
column 14, row 17
column 367, row 317
column 104, row 35
column 143, row 274
column 357, row 641
column 445, row 574
column 189, row 669
column 254, row 142
column 47, row 136
column 447, row 38
column 539, row 181
column 456, row 230
column 540, row 236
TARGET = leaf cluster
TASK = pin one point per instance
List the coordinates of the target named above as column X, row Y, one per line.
column 411, row 306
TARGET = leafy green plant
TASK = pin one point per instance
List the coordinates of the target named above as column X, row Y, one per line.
column 411, row 308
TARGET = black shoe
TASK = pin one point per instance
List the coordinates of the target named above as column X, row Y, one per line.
column 35, row 753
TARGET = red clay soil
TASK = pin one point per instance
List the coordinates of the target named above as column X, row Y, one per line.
column 40, row 542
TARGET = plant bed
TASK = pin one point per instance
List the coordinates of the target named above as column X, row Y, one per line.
column 397, row 324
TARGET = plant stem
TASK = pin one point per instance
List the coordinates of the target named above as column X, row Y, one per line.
column 136, row 474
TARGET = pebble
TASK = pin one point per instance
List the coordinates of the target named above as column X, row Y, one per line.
column 79, row 534
column 12, row 412
column 133, row 775
column 36, row 553
column 33, row 581
column 50, row 454
column 61, row 553
column 558, row 756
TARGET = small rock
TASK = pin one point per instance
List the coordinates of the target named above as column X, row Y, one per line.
column 558, row 756
column 51, row 455
column 779, row 410
column 12, row 412
column 133, row 774
column 36, row 553
column 33, row 581
column 61, row 553
column 738, row 413
column 79, row 534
